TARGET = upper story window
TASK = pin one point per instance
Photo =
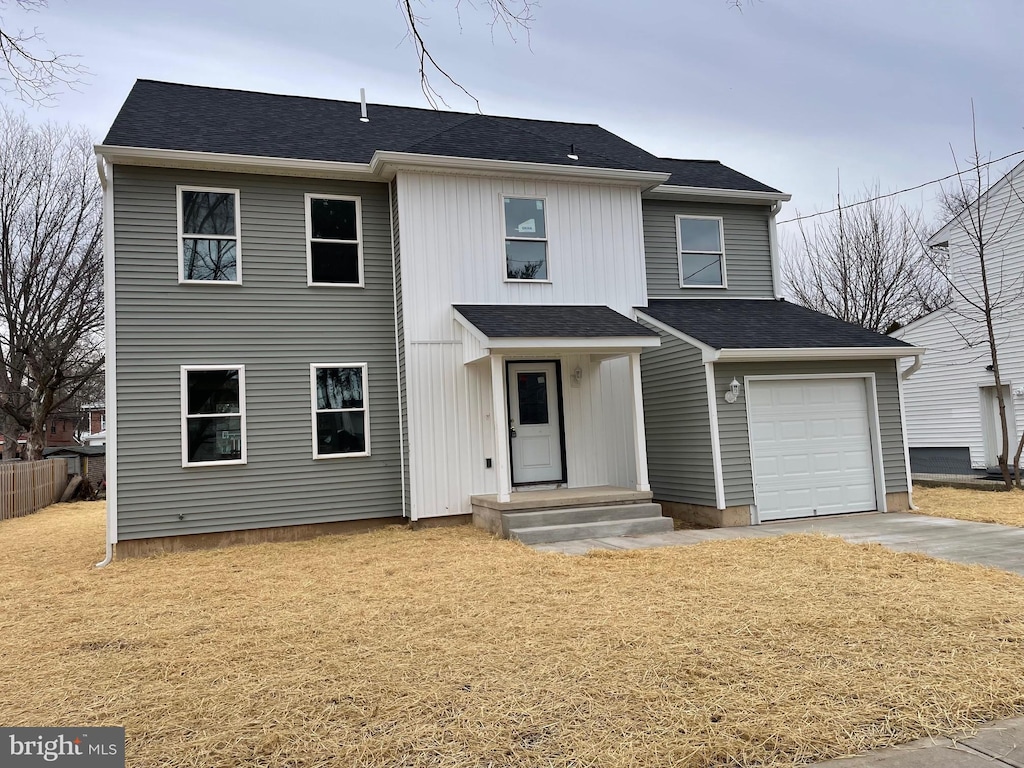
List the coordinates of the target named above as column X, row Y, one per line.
column 334, row 245
column 701, row 252
column 526, row 238
column 340, row 421
column 212, row 415
column 208, row 237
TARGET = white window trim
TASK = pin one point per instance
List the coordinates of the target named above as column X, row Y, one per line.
column 546, row 239
column 317, row 456
column 721, row 254
column 182, row 235
column 185, row 415
column 358, row 242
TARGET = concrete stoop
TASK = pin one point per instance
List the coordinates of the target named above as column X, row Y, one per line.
column 584, row 523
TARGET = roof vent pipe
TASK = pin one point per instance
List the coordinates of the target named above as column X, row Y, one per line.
column 362, row 99
column 572, row 153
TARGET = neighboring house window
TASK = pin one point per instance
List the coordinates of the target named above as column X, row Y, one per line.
column 334, row 240
column 526, row 238
column 53, row 428
column 701, row 252
column 208, row 237
column 340, row 420
column 103, row 423
column 213, row 415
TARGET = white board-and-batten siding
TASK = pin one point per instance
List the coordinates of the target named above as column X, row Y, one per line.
column 276, row 326
column 453, row 252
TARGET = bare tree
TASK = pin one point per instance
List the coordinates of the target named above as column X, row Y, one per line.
column 33, row 74
column 984, row 291
column 865, row 264
column 515, row 17
column 51, row 274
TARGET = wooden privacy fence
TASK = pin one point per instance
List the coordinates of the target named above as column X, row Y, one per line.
column 26, row 486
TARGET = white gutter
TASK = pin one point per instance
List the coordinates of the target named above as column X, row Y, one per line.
column 278, row 166
column 773, row 250
column 674, row 192
column 110, row 362
column 821, row 353
column 386, row 163
column 915, row 367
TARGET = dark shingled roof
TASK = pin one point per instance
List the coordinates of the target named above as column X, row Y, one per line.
column 79, row 450
column 761, row 324
column 162, row 115
column 711, row 174
column 187, row 117
column 503, row 321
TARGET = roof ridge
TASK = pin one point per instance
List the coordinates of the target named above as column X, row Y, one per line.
column 356, row 103
column 589, row 152
column 435, row 134
column 690, row 160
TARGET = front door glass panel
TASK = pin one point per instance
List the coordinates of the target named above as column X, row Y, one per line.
column 533, row 397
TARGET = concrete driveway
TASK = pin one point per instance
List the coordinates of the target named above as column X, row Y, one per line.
column 999, row 546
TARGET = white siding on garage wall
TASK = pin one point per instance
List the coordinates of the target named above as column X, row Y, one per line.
column 453, row 252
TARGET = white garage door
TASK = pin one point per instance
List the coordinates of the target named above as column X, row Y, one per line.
column 811, row 447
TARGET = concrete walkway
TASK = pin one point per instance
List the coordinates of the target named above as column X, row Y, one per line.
column 999, row 546
column 995, row 746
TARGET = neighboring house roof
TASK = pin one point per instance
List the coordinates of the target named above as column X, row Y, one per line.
column 761, row 324
column 548, row 321
column 941, row 238
column 160, row 115
column 709, row 174
column 78, row 450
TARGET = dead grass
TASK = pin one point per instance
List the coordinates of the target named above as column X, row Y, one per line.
column 1004, row 507
column 445, row 647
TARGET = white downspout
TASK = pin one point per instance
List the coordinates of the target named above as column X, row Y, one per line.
column 106, row 182
column 914, row 367
column 773, row 249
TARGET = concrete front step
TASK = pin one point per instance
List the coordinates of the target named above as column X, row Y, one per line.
column 597, row 529
column 574, row 515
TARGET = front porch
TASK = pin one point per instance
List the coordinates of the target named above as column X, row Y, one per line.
column 563, row 514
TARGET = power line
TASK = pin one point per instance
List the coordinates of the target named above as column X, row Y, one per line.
column 902, row 191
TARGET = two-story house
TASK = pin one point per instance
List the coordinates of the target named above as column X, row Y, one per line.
column 326, row 315
column 953, row 421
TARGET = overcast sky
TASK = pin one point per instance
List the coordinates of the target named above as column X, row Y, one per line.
column 786, row 91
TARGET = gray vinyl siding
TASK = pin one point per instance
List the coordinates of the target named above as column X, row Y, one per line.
column 276, row 326
column 735, row 439
column 679, row 457
column 748, row 263
column 400, row 338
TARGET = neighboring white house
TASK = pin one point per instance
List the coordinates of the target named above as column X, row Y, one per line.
column 951, row 404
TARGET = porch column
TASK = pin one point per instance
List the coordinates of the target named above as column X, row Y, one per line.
column 499, row 414
column 643, row 482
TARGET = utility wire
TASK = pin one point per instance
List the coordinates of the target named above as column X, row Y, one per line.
column 902, row 191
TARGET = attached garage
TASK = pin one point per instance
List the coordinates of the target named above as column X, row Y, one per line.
column 813, row 447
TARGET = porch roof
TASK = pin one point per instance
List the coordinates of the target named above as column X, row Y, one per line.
column 549, row 321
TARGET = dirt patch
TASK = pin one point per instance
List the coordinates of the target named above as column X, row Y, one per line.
column 979, row 506
column 446, row 647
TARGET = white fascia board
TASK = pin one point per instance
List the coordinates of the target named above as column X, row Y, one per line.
column 216, row 161
column 386, row 163
column 708, row 353
column 574, row 342
column 475, row 332
column 823, row 353
column 712, row 194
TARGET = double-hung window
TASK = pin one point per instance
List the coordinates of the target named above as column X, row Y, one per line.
column 341, row 425
column 208, row 236
column 526, row 238
column 701, row 252
column 334, row 248
column 212, row 415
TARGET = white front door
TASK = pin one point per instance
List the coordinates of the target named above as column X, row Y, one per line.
column 992, row 425
column 534, row 423
column 810, row 442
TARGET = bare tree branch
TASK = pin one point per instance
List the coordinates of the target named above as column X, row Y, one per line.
column 34, row 75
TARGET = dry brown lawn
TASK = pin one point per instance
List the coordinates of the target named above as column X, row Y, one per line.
column 445, row 647
column 1005, row 507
